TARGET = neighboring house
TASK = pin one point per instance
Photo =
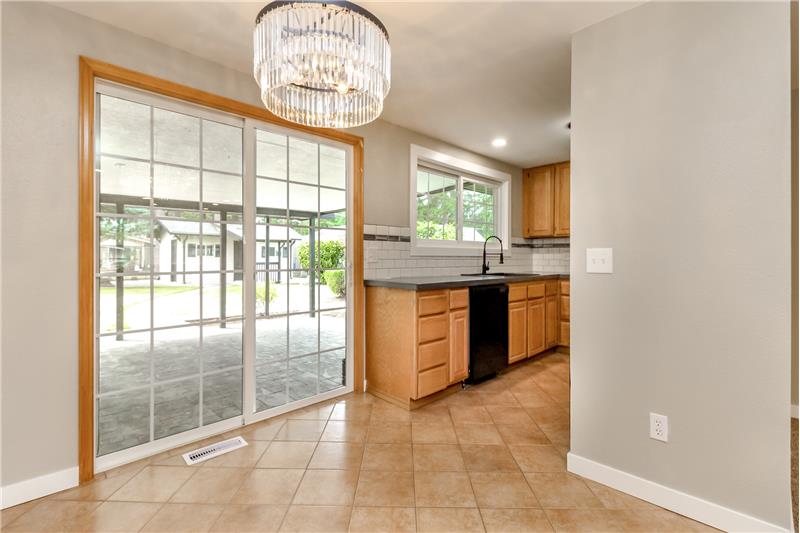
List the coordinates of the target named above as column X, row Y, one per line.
column 134, row 255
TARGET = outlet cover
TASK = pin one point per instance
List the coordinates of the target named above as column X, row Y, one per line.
column 600, row 260
column 659, row 427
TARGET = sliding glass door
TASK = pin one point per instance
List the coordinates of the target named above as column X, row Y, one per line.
column 213, row 306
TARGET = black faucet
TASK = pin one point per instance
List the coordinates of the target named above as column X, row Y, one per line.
column 485, row 264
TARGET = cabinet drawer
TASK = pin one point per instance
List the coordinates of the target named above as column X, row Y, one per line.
column 517, row 293
column 432, row 380
column 551, row 286
column 459, row 298
column 432, row 328
column 432, row 354
column 564, row 286
column 431, row 302
column 536, row 290
column 565, row 308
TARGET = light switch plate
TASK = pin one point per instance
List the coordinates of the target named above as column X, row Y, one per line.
column 600, row 260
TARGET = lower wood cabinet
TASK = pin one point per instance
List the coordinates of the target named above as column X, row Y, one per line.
column 517, row 334
column 563, row 311
column 551, row 321
column 459, row 345
column 536, row 326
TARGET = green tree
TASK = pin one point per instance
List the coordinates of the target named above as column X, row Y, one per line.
column 329, row 255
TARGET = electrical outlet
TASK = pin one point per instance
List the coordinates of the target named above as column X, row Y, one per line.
column 659, row 427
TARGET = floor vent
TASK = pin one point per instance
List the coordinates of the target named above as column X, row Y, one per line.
column 214, row 450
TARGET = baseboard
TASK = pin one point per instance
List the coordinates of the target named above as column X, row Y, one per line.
column 696, row 508
column 794, row 411
column 31, row 489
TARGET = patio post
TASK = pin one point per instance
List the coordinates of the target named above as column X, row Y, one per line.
column 120, row 256
column 223, row 263
column 312, row 266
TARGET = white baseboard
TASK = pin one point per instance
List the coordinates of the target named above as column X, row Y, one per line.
column 794, row 411
column 696, row 508
column 30, row 489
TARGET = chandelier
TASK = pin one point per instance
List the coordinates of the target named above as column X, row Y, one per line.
column 323, row 64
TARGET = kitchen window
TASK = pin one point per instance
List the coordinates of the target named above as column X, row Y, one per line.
column 456, row 205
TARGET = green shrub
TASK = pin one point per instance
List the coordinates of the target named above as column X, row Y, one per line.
column 330, row 254
column 335, row 281
column 261, row 291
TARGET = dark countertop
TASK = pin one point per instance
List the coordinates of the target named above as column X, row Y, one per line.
column 423, row 283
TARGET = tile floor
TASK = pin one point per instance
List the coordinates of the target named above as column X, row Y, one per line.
column 490, row 458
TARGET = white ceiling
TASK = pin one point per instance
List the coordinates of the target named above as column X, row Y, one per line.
column 463, row 72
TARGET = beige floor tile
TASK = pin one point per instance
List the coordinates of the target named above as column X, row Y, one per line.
column 337, row 455
column 478, row 434
column 266, row 430
column 389, row 432
column 488, row 458
column 548, row 415
column 113, row 517
column 53, row 515
column 522, row 434
column 654, row 520
column 129, row 470
column 442, row 520
column 470, row 414
column 443, row 489
column 167, row 459
column 269, row 486
column 301, row 430
column 211, row 485
column 500, row 398
column 314, row 518
column 153, row 484
column 433, row 433
column 508, row 415
column 557, row 433
column 468, row 397
column 327, row 487
column 614, row 499
column 184, row 517
column 383, row 520
column 533, row 397
column 357, row 412
column 95, row 490
column 314, row 412
column 583, row 520
column 388, row 458
column 438, row 458
column 287, row 454
column 562, row 490
column 502, row 490
column 435, row 412
column 515, row 521
column 12, row 513
column 345, row 431
column 385, row 489
column 539, row 458
column 246, row 457
column 250, row 519
column 386, row 412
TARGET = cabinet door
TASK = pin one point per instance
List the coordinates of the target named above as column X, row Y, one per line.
column 561, row 200
column 538, row 202
column 517, row 347
column 563, row 336
column 459, row 345
column 551, row 321
column 535, row 323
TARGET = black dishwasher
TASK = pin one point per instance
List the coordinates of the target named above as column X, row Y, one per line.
column 488, row 331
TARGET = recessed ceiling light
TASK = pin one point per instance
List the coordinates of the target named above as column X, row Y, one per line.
column 499, row 142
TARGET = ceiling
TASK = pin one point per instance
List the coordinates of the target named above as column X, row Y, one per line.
column 462, row 72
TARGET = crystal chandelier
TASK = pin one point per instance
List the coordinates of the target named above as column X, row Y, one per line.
column 323, row 64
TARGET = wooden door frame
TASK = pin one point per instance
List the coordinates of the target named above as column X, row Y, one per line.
column 89, row 71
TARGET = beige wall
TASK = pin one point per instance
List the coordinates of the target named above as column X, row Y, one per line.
column 681, row 163
column 40, row 48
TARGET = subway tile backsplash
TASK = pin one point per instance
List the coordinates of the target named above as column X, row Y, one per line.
column 387, row 254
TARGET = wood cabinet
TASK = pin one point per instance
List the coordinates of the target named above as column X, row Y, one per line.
column 546, row 198
column 517, row 334
column 417, row 341
column 551, row 321
column 535, row 326
column 459, row 345
column 563, row 311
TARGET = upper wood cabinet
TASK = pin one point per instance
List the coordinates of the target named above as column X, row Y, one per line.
column 546, row 201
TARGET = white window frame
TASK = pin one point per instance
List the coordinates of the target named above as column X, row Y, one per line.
column 464, row 170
